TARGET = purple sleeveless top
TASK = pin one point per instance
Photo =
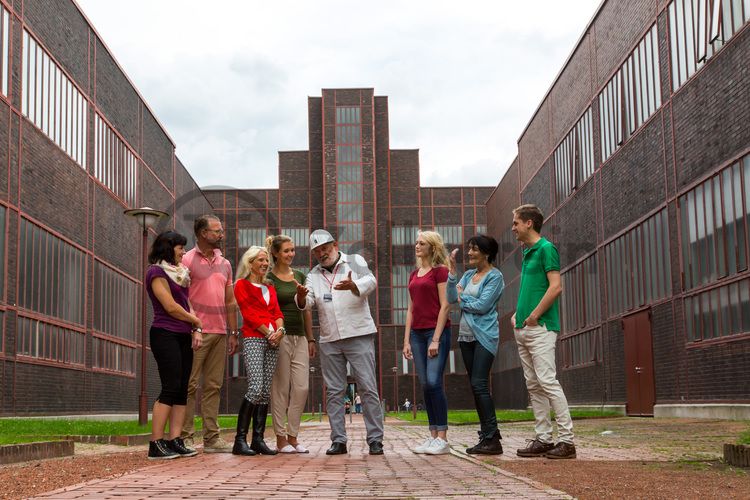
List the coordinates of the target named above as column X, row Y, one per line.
column 162, row 319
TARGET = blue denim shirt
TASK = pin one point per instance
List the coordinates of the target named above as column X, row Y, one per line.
column 480, row 312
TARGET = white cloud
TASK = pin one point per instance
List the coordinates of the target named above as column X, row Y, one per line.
column 229, row 80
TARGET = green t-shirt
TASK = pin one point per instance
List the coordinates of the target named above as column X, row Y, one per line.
column 537, row 262
column 285, row 291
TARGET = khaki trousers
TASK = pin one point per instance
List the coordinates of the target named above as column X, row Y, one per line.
column 209, row 362
column 290, row 385
column 536, row 347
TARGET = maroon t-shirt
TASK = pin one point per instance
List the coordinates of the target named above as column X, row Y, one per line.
column 425, row 301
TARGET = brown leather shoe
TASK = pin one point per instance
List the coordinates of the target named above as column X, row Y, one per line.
column 534, row 448
column 562, row 450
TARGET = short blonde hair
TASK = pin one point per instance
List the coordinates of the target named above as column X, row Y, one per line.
column 252, row 253
column 439, row 253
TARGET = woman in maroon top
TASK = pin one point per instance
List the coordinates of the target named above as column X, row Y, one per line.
column 427, row 337
column 175, row 332
column 262, row 329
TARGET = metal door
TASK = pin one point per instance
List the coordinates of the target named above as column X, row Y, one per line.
column 639, row 364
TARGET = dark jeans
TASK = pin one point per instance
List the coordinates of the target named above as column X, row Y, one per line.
column 430, row 373
column 478, row 362
column 174, row 358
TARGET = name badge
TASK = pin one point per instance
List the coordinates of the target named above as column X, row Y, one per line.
column 327, row 297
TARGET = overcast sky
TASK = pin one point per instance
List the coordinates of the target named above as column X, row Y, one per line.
column 229, row 80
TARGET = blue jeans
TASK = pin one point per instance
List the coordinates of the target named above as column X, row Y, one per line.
column 478, row 362
column 430, row 373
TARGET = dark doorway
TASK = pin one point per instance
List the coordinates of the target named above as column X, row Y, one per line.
column 639, row 364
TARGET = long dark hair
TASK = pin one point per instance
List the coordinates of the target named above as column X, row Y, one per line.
column 163, row 247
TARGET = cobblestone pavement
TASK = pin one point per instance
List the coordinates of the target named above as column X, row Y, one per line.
column 397, row 474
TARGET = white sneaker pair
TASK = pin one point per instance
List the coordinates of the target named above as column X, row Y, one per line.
column 433, row 446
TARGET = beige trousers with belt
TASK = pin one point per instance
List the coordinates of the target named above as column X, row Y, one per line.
column 290, row 385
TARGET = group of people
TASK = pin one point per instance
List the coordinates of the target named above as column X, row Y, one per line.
column 195, row 301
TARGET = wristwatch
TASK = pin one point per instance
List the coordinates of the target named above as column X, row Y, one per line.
column 234, row 333
column 282, row 330
column 197, row 329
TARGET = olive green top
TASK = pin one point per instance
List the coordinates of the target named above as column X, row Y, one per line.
column 286, row 291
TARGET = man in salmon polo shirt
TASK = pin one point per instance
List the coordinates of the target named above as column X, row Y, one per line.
column 212, row 298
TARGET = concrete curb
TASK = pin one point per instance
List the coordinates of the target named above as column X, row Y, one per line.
column 737, row 454
column 25, row 452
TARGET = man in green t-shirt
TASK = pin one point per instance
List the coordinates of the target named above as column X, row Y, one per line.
column 536, row 323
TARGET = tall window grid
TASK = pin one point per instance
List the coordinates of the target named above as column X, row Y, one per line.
column 580, row 304
column 40, row 340
column 115, row 314
column 698, row 29
column 4, row 49
column 247, row 237
column 574, row 157
column 718, row 312
column 452, row 235
column 631, row 96
column 638, row 265
column 714, row 218
column 404, row 235
column 400, row 293
column 350, row 187
column 582, row 349
column 114, row 163
column 300, row 235
column 52, row 275
column 2, row 258
column 52, row 102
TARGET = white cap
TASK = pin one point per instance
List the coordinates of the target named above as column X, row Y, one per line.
column 320, row 237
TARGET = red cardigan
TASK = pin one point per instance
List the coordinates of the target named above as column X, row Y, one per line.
column 255, row 312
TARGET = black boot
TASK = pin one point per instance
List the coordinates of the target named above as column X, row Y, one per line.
column 243, row 425
column 473, row 450
column 259, row 429
column 490, row 446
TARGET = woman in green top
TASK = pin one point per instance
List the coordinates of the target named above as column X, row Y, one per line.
column 291, row 379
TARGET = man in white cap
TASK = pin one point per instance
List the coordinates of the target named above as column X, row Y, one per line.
column 338, row 286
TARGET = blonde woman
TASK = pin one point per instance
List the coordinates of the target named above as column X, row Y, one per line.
column 427, row 335
column 262, row 331
column 291, row 379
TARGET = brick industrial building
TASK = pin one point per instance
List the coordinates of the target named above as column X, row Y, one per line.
column 369, row 197
column 638, row 155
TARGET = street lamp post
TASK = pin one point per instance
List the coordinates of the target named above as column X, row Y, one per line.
column 147, row 218
column 394, row 369
column 312, row 386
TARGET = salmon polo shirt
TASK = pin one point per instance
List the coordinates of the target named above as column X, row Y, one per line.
column 209, row 279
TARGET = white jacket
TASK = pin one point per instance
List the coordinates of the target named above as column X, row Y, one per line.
column 346, row 314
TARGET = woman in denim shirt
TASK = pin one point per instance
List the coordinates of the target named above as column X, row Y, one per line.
column 477, row 294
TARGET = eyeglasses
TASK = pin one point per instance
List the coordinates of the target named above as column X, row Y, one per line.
column 217, row 231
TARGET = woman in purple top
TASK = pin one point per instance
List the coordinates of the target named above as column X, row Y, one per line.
column 175, row 332
column 427, row 335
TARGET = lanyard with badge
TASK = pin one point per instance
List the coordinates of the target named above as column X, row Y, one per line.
column 328, row 297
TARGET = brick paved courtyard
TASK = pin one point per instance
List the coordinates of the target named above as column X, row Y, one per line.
column 398, row 474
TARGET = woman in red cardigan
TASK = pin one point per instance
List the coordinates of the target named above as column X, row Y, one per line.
column 262, row 329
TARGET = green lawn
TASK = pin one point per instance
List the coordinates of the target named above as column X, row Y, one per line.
column 459, row 417
column 25, row 430
column 744, row 438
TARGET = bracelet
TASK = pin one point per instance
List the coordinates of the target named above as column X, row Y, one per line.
column 282, row 330
column 234, row 333
column 197, row 329
column 312, row 340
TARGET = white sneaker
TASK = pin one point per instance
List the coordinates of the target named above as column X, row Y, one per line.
column 439, row 446
column 422, row 448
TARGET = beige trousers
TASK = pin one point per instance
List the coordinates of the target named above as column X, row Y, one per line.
column 290, row 385
column 208, row 362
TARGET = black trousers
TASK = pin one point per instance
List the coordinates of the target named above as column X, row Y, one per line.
column 478, row 362
column 174, row 357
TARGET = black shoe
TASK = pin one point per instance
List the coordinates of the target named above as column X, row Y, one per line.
column 534, row 448
column 336, row 449
column 490, row 446
column 159, row 450
column 562, row 450
column 178, row 446
column 376, row 448
column 473, row 449
column 243, row 425
column 258, row 445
